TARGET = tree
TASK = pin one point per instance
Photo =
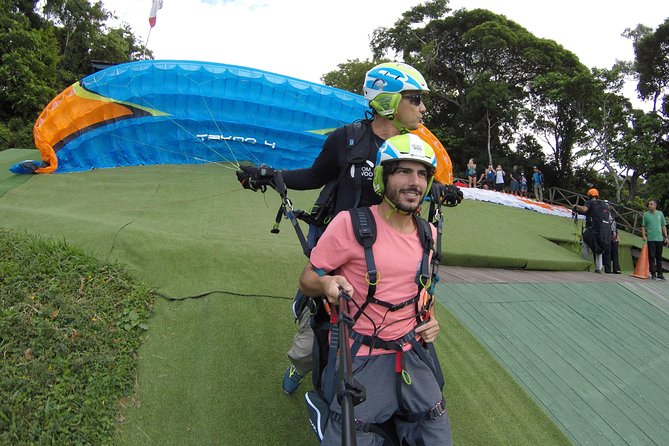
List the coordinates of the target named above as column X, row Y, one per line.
column 350, row 75
column 28, row 73
column 651, row 51
column 480, row 67
column 43, row 50
column 557, row 100
column 607, row 117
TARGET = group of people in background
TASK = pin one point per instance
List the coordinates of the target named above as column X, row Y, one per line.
column 515, row 182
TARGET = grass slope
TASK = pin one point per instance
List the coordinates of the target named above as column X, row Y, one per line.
column 210, row 368
column 163, row 220
column 7, row 158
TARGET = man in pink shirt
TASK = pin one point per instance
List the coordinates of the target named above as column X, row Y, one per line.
column 392, row 328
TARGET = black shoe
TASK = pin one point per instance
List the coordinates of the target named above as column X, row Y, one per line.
column 609, row 272
column 617, row 272
column 661, row 278
column 597, row 271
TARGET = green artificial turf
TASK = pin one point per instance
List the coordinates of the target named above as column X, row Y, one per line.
column 8, row 180
column 165, row 222
column 480, row 234
column 593, row 355
column 486, row 406
column 186, row 230
column 210, row 373
column 210, row 368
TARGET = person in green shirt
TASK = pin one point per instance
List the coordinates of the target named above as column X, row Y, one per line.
column 654, row 231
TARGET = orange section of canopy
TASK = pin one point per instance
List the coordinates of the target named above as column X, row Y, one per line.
column 75, row 113
column 444, row 173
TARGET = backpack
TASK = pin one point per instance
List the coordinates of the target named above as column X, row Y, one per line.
column 598, row 233
column 325, row 205
column 323, row 323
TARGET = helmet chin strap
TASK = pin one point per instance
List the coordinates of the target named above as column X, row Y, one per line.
column 393, row 208
column 399, row 126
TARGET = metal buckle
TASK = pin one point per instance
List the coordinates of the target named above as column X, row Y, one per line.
column 438, row 410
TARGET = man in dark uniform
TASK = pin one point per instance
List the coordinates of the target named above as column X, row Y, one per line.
column 394, row 93
column 598, row 226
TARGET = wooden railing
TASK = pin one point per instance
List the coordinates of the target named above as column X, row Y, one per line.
column 628, row 219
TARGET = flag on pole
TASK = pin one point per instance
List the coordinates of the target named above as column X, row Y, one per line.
column 155, row 6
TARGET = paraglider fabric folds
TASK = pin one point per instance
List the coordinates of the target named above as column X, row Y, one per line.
column 175, row 112
column 185, row 112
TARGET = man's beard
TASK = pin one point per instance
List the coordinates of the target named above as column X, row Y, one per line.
column 394, row 197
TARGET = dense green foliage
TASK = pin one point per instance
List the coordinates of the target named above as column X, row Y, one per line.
column 499, row 94
column 45, row 47
column 70, row 328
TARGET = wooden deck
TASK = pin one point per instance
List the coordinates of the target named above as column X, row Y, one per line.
column 459, row 274
column 591, row 349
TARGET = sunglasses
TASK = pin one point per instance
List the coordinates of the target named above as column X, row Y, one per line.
column 414, row 99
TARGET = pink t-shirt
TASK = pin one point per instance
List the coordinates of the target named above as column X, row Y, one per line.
column 397, row 257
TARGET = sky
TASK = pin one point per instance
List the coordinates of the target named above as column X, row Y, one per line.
column 308, row 38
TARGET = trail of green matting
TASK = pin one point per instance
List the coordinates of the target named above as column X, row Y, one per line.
column 210, row 373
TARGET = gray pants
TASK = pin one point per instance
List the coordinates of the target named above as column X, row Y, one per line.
column 378, row 377
column 539, row 192
column 303, row 341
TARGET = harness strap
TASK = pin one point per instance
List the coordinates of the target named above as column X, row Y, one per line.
column 376, row 342
column 329, row 378
column 432, row 414
column 286, row 208
column 360, row 139
column 364, row 229
column 364, row 427
column 390, row 306
column 429, row 357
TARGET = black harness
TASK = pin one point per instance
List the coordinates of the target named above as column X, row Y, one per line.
column 364, row 227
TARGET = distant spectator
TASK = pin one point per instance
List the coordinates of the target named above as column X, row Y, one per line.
column 611, row 255
column 654, row 230
column 538, row 183
column 523, row 185
column 488, row 178
column 499, row 178
column 471, row 173
column 515, row 180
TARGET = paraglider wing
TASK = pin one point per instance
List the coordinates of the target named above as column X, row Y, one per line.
column 444, row 173
column 176, row 112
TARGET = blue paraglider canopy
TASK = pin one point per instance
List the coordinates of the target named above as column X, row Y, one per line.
column 175, row 112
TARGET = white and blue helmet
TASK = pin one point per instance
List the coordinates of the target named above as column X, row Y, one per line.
column 384, row 83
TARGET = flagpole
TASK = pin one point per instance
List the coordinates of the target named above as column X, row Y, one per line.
column 147, row 42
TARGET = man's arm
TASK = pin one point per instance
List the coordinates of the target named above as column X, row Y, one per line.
column 580, row 209
column 313, row 283
column 324, row 168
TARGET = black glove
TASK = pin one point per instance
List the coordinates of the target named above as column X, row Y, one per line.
column 446, row 194
column 254, row 178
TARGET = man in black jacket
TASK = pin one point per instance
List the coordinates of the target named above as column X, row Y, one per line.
column 346, row 164
column 598, row 226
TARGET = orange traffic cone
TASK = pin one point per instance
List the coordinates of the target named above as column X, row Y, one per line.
column 641, row 270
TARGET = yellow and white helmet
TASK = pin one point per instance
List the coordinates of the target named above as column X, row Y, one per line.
column 407, row 146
